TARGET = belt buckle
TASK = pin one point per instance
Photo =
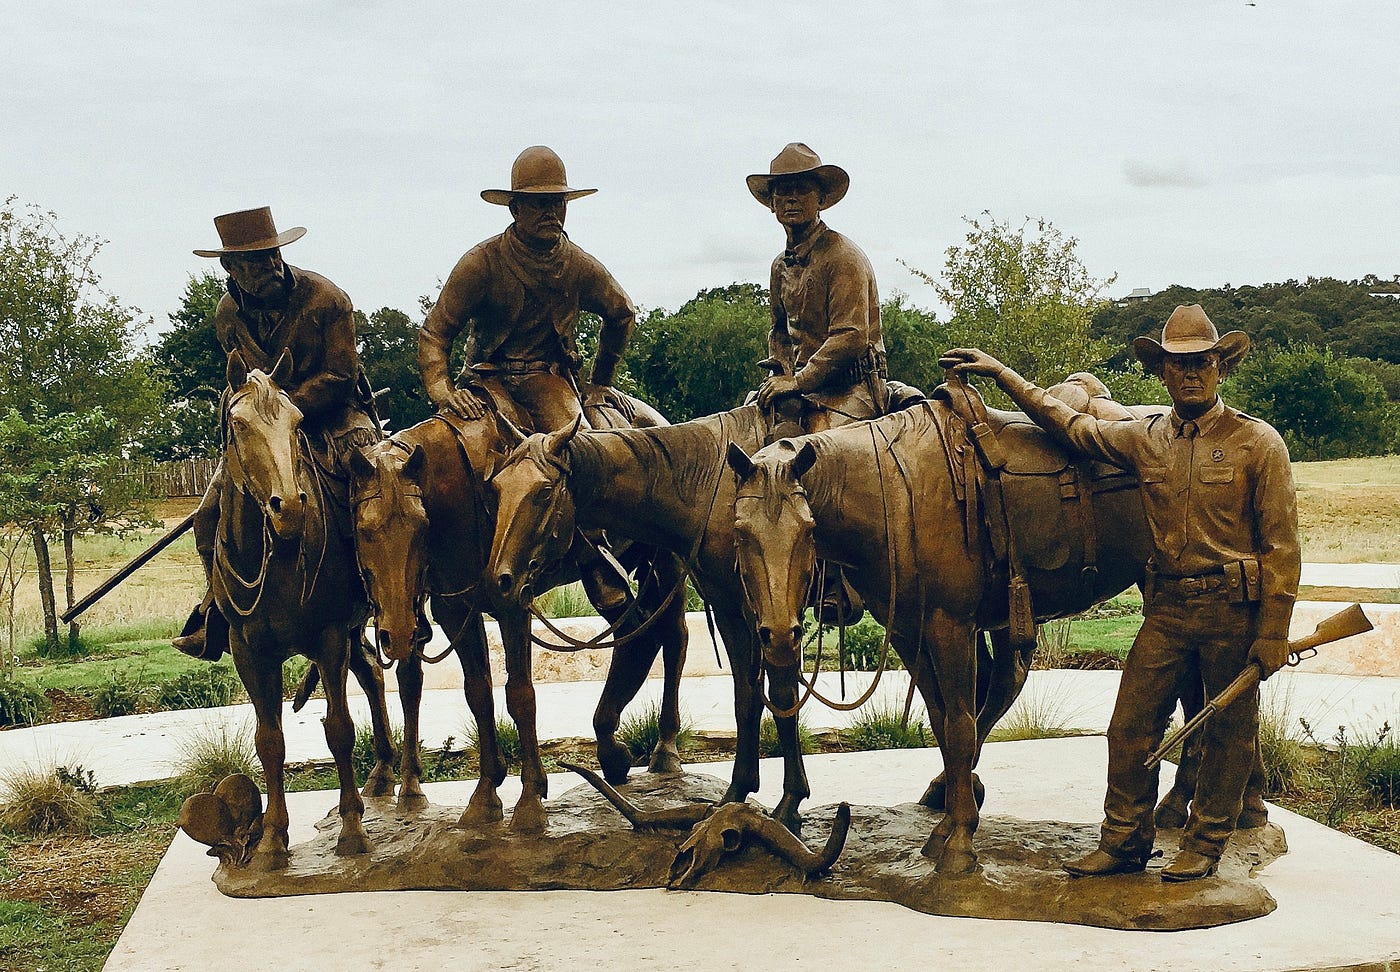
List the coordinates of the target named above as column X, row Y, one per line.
column 1193, row 585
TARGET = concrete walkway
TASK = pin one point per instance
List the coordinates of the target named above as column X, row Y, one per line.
column 147, row 747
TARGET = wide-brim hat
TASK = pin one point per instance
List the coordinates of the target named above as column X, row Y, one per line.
column 249, row 230
column 1190, row 331
column 537, row 171
column 798, row 159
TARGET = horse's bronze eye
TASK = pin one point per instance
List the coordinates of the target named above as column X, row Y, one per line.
column 544, row 495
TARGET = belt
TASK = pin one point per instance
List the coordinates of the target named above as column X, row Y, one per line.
column 1196, row 586
column 516, row 367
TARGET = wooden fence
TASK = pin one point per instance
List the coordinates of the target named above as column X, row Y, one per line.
column 188, row 477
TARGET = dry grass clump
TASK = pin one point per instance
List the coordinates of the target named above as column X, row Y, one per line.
column 1043, row 710
column 209, row 753
column 49, row 800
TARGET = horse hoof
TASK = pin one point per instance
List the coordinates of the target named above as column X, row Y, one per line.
column 269, row 861
column 411, row 801
column 528, row 817
column 786, row 814
column 615, row 760
column 483, row 808
column 352, row 844
column 665, row 760
column 955, row 862
column 379, row 784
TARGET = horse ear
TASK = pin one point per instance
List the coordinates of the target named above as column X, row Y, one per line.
column 360, row 464
column 414, row 464
column 510, row 433
column 556, row 441
column 237, row 373
column 282, row 370
column 739, row 461
column 803, row 461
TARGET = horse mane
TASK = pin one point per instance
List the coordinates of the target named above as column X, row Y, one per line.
column 268, row 398
column 685, row 457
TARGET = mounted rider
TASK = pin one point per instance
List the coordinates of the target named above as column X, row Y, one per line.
column 518, row 296
column 272, row 308
column 1217, row 490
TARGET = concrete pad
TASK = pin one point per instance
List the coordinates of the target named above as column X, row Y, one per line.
column 1338, row 903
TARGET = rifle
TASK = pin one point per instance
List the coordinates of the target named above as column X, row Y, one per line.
column 139, row 560
column 1345, row 623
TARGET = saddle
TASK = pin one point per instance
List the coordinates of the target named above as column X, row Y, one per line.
column 1034, row 499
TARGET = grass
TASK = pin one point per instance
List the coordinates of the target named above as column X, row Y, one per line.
column 883, row 727
column 641, row 731
column 47, row 800
column 768, row 744
column 208, row 754
column 1042, row 711
column 507, row 737
column 1349, row 509
column 568, row 601
column 1281, row 740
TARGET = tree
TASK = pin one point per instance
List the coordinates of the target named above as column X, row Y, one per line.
column 704, row 357
column 1323, row 405
column 190, row 361
column 74, row 392
column 1023, row 295
column 914, row 340
column 388, row 341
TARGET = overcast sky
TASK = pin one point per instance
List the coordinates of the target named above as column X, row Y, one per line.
column 1181, row 141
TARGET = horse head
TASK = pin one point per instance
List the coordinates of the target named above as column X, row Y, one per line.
column 774, row 541
column 391, row 541
column 261, row 432
column 534, row 513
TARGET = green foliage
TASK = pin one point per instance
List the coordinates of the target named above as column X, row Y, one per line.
column 1382, row 773
column 1346, row 766
column 116, row 697
column 388, row 341
column 768, row 743
column 48, row 800
column 863, row 643
column 68, row 647
column 641, row 731
column 202, row 688
column 1323, row 405
column 883, row 727
column 914, row 340
column 507, row 737
column 1039, row 712
column 703, row 358
column 191, row 363
column 362, row 755
column 566, row 601
column 294, row 669
column 209, row 753
column 1023, row 295
column 1280, row 743
column 21, row 704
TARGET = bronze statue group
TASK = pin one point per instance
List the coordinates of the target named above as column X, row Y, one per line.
column 834, row 487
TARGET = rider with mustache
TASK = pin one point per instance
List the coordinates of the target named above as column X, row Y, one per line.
column 1217, row 490
column 272, row 307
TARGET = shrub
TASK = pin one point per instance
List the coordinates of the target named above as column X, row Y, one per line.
column 507, row 736
column 49, row 800
column 21, row 704
column 117, row 698
column 211, row 752
column 883, row 727
column 769, row 744
column 568, row 601
column 641, row 732
column 863, row 642
column 202, row 688
column 1346, row 766
column 1280, row 744
column 362, row 756
column 1043, row 710
column 1382, row 773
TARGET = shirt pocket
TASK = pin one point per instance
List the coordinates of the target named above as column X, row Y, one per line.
column 1216, row 475
column 1152, row 475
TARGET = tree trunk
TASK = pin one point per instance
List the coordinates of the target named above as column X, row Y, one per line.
column 45, row 569
column 68, row 569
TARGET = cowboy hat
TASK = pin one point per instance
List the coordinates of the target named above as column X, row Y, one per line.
column 537, row 171
column 248, row 230
column 1190, row 331
column 798, row 159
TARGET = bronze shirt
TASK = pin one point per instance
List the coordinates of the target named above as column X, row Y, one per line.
column 1222, row 495
column 826, row 311
column 520, row 310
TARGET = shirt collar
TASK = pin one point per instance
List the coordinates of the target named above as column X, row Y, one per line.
column 1204, row 423
column 802, row 252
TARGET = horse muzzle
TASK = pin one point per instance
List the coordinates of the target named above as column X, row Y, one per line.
column 782, row 648
column 287, row 515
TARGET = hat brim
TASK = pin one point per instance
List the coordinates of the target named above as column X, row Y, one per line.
column 1233, row 346
column 272, row 243
column 833, row 179
column 503, row 197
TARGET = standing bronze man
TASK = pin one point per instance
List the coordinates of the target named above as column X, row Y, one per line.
column 519, row 295
column 272, row 307
column 1218, row 493
column 826, row 333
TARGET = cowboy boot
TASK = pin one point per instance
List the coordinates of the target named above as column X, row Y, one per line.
column 1189, row 865
column 1100, row 863
column 604, row 580
column 193, row 637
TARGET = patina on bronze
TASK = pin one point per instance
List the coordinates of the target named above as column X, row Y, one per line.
column 1218, row 493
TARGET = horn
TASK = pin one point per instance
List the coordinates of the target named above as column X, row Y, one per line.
column 796, row 853
column 739, row 461
column 671, row 818
column 282, row 370
column 237, row 371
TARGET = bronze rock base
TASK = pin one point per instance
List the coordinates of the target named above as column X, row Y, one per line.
column 588, row 846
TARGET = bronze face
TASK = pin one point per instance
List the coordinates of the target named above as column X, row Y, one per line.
column 797, row 202
column 260, row 273
column 391, row 530
column 539, row 219
column 1192, row 380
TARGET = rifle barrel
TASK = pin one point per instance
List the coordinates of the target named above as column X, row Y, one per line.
column 135, row 564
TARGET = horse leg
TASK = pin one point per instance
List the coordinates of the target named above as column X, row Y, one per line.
column 262, row 680
column 740, row 643
column 953, row 644
column 782, row 688
column 674, row 636
column 529, row 814
column 333, row 659
column 410, row 676
column 1007, row 675
column 380, row 781
column 627, row 671
column 485, row 805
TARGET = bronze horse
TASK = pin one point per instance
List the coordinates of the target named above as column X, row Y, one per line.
column 285, row 580
column 666, row 487
column 424, row 526
column 881, row 498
